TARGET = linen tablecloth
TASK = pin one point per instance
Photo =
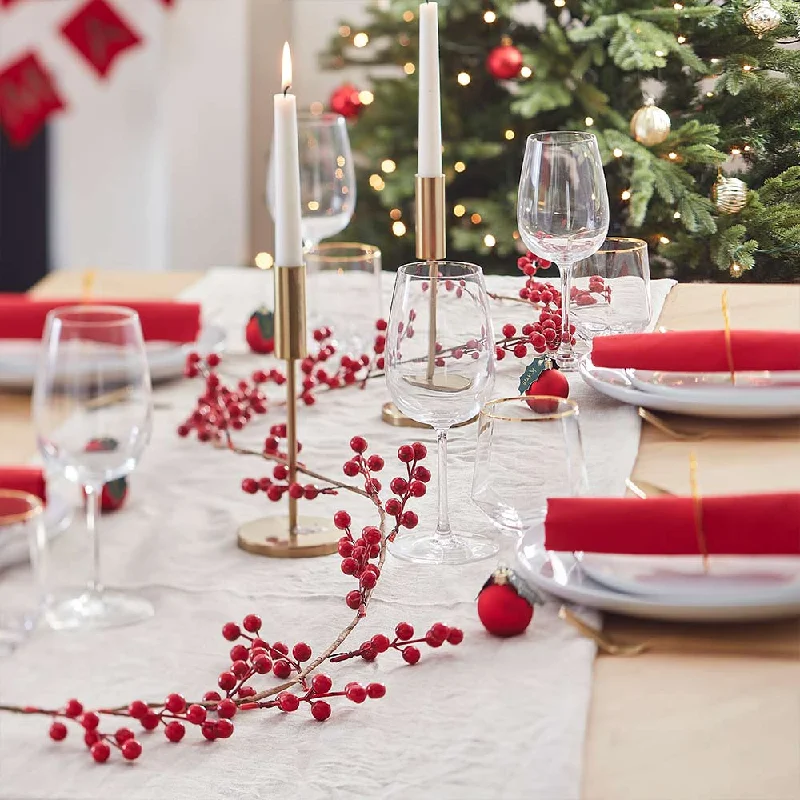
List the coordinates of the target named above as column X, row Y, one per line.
column 490, row 718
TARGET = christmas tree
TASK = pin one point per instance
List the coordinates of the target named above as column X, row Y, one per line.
column 696, row 106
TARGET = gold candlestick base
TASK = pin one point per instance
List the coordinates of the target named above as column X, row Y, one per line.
column 270, row 537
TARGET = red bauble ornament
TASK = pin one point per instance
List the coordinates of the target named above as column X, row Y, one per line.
column 504, row 62
column 552, row 383
column 345, row 101
column 260, row 331
column 114, row 492
column 504, row 607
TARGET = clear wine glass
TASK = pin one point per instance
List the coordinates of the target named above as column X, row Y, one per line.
column 439, row 369
column 562, row 210
column 327, row 177
column 92, row 406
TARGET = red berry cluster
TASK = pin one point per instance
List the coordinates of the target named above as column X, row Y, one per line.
column 449, row 285
column 319, row 691
column 585, row 297
column 404, row 641
column 413, row 485
column 221, row 409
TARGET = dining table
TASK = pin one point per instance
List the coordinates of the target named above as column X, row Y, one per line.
column 705, row 712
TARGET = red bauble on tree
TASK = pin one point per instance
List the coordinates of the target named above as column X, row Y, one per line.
column 345, row 101
column 504, row 62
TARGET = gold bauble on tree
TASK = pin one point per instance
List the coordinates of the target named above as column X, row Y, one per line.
column 650, row 124
column 762, row 18
column 729, row 195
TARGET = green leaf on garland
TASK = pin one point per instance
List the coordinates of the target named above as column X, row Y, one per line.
column 533, row 372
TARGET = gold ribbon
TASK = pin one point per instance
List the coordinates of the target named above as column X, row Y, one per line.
column 726, row 316
column 697, row 503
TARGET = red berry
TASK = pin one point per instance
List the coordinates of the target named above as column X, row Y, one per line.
column 320, row 710
column 239, row 653
column 350, row 468
column 58, row 731
column 310, row 492
column 355, row 692
column 175, row 703
column 262, row 664
column 123, row 734
column 226, row 709
column 440, row 630
column 368, row 651
column 509, row 330
column 411, row 655
column 399, row 485
column 301, row 652
column 223, row 728
column 90, row 720
column 380, row 642
column 100, row 752
column 226, row 681
column 409, row 519
column 420, row 451
column 196, row 714
column 358, row 444
column 296, row 491
column 393, row 506
column 381, row 325
column 73, row 708
column 274, row 493
column 372, row 535
column 246, row 691
column 376, row 690
column 432, row 641
column 345, row 547
column 422, row 474
column 341, row 519
column 321, row 683
column 456, row 636
column 280, row 472
column 368, row 580
column 174, row 731
column 212, row 360
column 375, row 463
column 230, row 631
column 520, row 350
column 404, row 631
column 252, row 623
column 209, row 730
column 417, row 488
column 240, row 668
column 250, row 485
column 353, row 599
column 405, row 453
column 288, row 701
column 210, row 697
column 150, row 721
column 282, row 669
column 349, row 566
column 281, row 648
column 137, row 709
column 90, row 737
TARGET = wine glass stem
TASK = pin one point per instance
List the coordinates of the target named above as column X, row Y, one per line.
column 443, row 530
column 93, row 494
column 565, row 345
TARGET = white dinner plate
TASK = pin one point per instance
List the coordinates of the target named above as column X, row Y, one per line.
column 19, row 357
column 616, row 384
column 561, row 575
column 14, row 545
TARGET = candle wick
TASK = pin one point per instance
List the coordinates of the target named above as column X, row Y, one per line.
column 286, row 89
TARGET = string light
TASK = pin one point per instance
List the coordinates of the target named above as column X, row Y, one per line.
column 660, row 53
column 361, row 39
column 366, row 97
column 399, row 228
column 489, row 240
column 340, row 161
column 747, row 68
column 510, row 134
column 678, row 6
column 617, row 152
column 747, row 148
column 313, row 205
column 316, row 108
column 736, row 151
column 663, row 239
column 515, row 236
column 459, row 210
column 339, row 173
column 459, row 166
column 736, row 270
column 388, row 166
column 376, row 182
column 395, row 213
column 709, row 94
column 714, row 60
column 344, row 30
column 626, row 195
column 264, row 261
column 475, row 219
column 681, row 39
column 489, row 17
column 676, row 215
column 559, row 3
column 464, row 78
column 672, row 156
column 409, row 68
column 403, row 40
column 589, row 122
column 408, row 16
column 526, row 72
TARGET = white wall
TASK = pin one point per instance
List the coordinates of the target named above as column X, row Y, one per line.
column 149, row 167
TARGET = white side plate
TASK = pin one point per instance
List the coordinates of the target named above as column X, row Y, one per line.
column 14, row 545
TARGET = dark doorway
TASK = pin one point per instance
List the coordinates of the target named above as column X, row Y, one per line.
column 24, row 246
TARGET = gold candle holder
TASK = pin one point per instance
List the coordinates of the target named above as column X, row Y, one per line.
column 293, row 536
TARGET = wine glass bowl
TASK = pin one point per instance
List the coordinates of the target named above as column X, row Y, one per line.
column 92, row 406
column 562, row 209
column 439, row 362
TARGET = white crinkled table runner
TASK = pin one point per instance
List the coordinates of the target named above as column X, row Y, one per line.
column 490, row 718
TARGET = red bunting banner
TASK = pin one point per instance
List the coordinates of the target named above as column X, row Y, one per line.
column 100, row 34
column 28, row 97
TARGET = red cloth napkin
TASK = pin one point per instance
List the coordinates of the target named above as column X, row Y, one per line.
column 24, row 479
column 699, row 351
column 22, row 317
column 758, row 524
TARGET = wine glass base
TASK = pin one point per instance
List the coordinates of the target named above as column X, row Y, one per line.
column 430, row 548
column 90, row 610
column 568, row 362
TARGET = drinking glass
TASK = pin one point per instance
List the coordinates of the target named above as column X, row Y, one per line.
column 327, row 177
column 92, row 408
column 344, row 270
column 611, row 289
column 562, row 210
column 439, row 369
column 529, row 449
column 21, row 523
